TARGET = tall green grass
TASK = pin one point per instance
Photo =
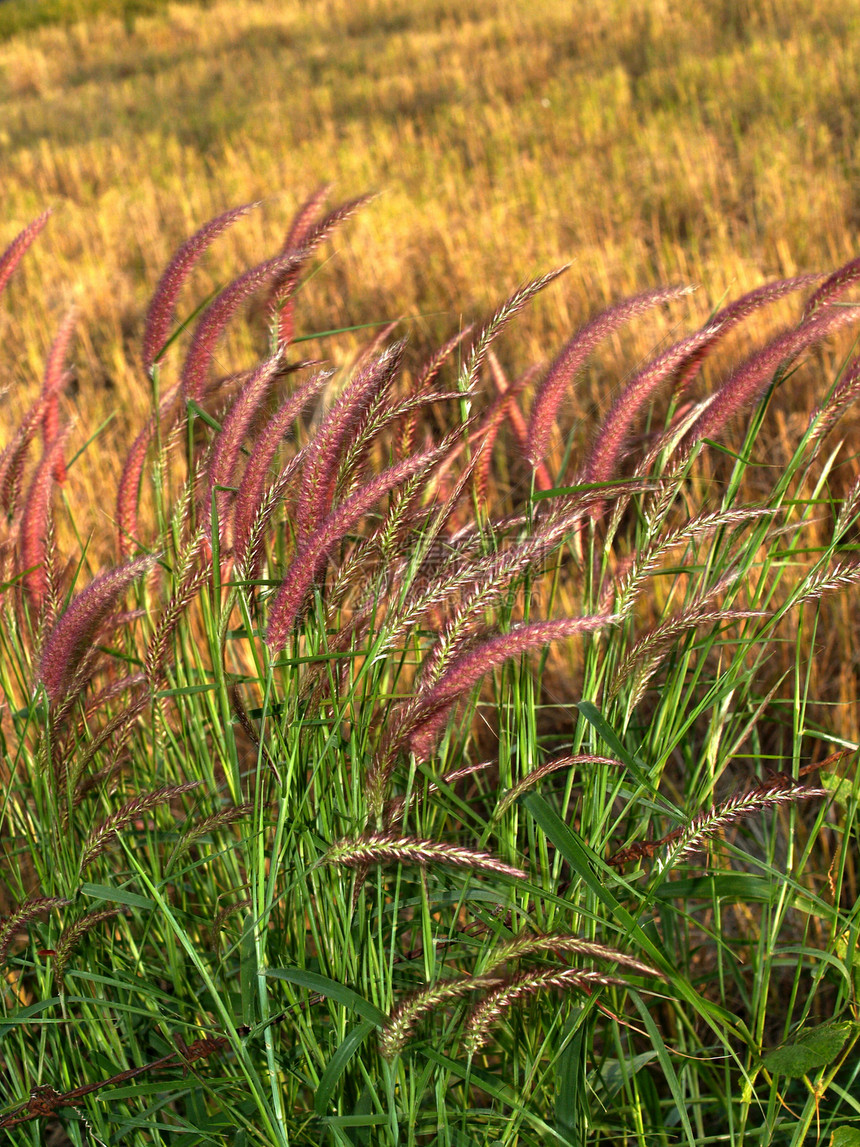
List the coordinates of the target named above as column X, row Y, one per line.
column 418, row 772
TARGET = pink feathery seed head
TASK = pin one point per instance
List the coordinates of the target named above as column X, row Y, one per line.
column 22, row 915
column 503, row 315
column 827, row 413
column 75, row 631
column 562, row 372
column 466, row 670
column 225, row 449
column 34, row 523
column 159, row 318
column 306, row 216
column 251, row 488
column 129, row 483
column 613, row 434
column 424, row 739
column 56, row 377
column 384, row 848
column 216, row 316
column 833, row 287
column 324, row 450
column 301, row 574
column 13, row 254
column 495, row 417
column 735, row 313
column 427, row 375
column 753, row 301
column 746, row 383
column 14, row 457
column 306, row 234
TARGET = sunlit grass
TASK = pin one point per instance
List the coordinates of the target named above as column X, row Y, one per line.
column 643, row 143
column 496, row 813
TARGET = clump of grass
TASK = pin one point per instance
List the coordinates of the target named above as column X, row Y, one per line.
column 348, row 775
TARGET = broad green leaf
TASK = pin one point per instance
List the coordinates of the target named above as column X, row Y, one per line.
column 117, row 896
column 810, row 1049
column 840, row 788
column 28, row 1013
column 845, row 1137
column 248, row 970
column 340, row 993
column 613, row 1074
column 570, row 1083
column 336, row 1066
column 722, row 885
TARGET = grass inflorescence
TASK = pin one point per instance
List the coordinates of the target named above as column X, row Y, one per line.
column 418, row 771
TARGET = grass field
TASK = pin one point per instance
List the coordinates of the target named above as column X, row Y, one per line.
column 344, row 804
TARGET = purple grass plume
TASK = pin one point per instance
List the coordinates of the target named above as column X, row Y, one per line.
column 228, row 444
column 303, row 570
column 748, row 380
column 737, row 312
column 128, row 492
column 16, row 250
column 13, row 459
column 306, row 233
column 72, row 936
column 769, row 794
column 827, row 414
column 214, row 319
column 612, row 437
column 22, row 915
column 383, row 848
column 322, row 454
column 404, row 1019
column 75, row 631
column 777, row 789
column 159, row 318
column 510, row 409
column 466, row 670
column 56, row 377
column 250, row 495
column 551, row 392
column 35, row 524
column 833, row 287
column 559, row 943
column 536, row 775
column 503, row 315
column 522, row 985
column 103, row 835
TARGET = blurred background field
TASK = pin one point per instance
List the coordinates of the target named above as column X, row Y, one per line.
column 643, row 141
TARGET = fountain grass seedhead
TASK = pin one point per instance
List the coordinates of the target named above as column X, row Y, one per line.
column 561, row 374
column 158, row 327
column 75, row 631
column 16, row 250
